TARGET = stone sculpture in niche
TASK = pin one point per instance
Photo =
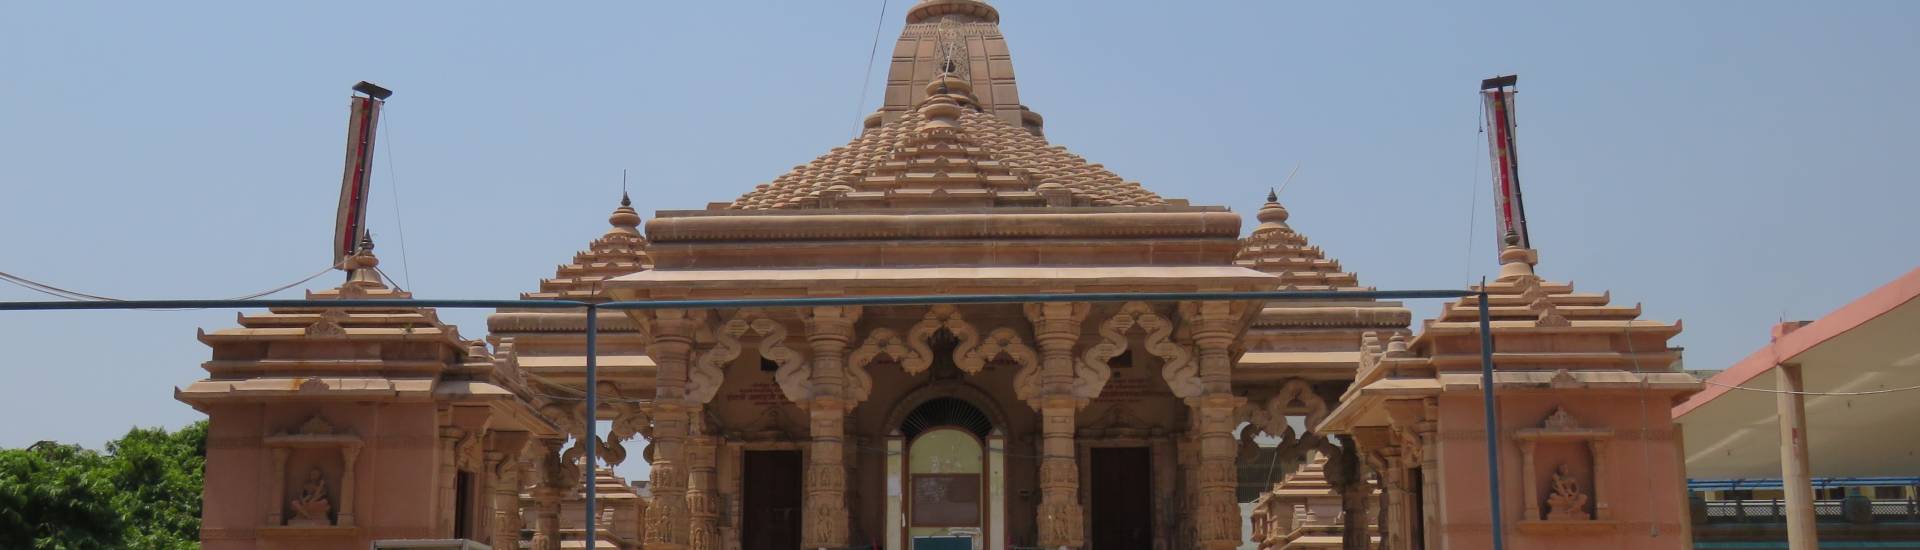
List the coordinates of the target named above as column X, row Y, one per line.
column 1566, row 501
column 312, row 507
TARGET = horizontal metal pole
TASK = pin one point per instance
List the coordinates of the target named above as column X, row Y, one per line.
column 231, row 304
column 1269, row 295
column 1025, row 298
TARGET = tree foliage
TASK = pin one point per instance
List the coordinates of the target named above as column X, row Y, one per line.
column 143, row 492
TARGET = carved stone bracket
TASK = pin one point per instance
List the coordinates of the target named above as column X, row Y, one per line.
column 1179, row 370
column 1006, row 341
column 880, row 341
column 794, row 375
column 941, row 316
column 709, row 369
column 1295, row 398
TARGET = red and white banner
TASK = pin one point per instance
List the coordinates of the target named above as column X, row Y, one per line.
column 1508, row 208
column 350, row 224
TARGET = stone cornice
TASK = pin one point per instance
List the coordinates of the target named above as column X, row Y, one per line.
column 1002, row 223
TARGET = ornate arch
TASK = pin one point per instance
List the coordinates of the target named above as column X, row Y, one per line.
column 1295, row 398
column 941, row 316
column 708, row 370
column 879, row 341
column 965, row 392
column 1179, row 370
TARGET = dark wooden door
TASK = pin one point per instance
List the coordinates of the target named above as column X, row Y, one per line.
column 1122, row 494
column 770, row 509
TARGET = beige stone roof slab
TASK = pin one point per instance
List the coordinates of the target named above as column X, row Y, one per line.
column 934, row 280
column 314, row 387
column 1678, row 382
column 1300, row 360
column 605, row 360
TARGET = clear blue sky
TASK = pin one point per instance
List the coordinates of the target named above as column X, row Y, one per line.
column 1726, row 163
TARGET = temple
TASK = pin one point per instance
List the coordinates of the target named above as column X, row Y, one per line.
column 1047, row 424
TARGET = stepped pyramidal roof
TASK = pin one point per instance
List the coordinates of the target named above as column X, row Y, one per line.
column 622, row 250
column 1276, row 248
column 951, row 133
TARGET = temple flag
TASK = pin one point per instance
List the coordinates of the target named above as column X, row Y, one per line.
column 350, row 222
column 1497, row 97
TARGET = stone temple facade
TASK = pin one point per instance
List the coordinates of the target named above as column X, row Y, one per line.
column 950, row 425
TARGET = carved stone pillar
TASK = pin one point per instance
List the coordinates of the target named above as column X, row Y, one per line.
column 349, row 455
column 829, row 331
column 1056, row 328
column 1394, row 518
column 546, row 518
column 552, row 486
column 1213, row 325
column 670, row 347
column 503, row 523
column 278, row 490
column 504, row 481
column 449, row 465
column 1430, row 512
column 703, row 531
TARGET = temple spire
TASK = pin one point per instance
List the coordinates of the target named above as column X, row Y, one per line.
column 964, row 10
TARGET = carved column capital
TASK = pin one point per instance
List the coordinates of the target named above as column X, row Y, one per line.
column 829, row 332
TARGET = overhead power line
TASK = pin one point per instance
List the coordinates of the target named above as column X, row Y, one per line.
column 78, row 296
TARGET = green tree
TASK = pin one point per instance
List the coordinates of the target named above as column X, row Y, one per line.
column 56, row 496
column 143, row 493
column 157, row 479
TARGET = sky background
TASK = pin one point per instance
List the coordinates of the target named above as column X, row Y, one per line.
column 1729, row 164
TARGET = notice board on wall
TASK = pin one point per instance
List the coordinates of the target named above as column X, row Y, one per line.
column 946, row 500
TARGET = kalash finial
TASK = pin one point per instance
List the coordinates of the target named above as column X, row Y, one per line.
column 362, row 267
column 1515, row 262
column 625, row 219
column 1272, row 216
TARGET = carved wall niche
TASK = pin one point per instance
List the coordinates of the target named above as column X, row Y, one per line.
column 313, row 473
column 1562, row 464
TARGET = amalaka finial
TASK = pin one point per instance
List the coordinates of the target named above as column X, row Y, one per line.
column 1516, row 263
column 624, row 219
column 1272, row 215
column 976, row 10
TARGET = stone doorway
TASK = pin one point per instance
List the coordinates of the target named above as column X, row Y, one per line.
column 1122, row 497
column 770, row 507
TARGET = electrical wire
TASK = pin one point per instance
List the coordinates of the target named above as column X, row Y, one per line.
column 1646, row 460
column 394, row 187
column 77, row 296
column 1812, row 393
column 1473, row 208
column 866, row 80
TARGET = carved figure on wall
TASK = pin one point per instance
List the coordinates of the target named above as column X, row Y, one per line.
column 1566, row 501
column 312, row 506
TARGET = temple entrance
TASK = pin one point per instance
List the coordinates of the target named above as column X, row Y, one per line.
column 950, row 474
column 1122, row 495
column 770, row 507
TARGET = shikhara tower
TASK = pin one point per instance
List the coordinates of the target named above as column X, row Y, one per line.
column 1057, row 424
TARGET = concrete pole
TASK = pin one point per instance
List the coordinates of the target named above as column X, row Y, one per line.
column 1795, row 469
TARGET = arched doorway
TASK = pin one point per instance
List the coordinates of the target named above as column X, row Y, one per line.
column 946, row 481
